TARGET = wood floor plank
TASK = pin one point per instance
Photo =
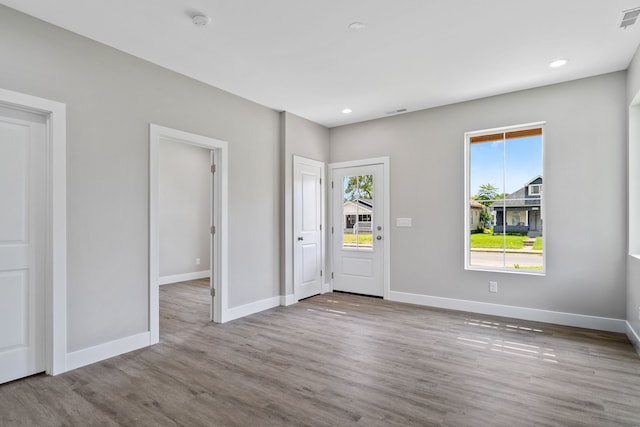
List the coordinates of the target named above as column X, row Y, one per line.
column 342, row 360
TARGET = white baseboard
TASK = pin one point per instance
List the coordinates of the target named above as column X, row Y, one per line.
column 534, row 314
column 633, row 337
column 87, row 356
column 286, row 300
column 251, row 308
column 175, row 278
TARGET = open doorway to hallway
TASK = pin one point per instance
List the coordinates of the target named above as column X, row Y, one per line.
column 208, row 225
column 183, row 305
column 184, row 222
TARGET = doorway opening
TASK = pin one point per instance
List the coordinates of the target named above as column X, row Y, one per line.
column 217, row 217
column 185, row 190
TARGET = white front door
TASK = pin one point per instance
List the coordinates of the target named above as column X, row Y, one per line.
column 358, row 229
column 307, row 227
column 22, row 244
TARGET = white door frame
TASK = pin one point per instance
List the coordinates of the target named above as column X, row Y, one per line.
column 384, row 161
column 299, row 160
column 55, row 222
column 220, row 241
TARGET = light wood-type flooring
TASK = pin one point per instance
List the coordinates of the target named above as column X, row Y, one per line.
column 342, row 360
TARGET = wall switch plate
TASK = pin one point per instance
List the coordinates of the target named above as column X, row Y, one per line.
column 403, row 222
column 197, row 261
column 493, row 286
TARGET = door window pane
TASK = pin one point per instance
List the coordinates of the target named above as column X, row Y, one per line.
column 358, row 212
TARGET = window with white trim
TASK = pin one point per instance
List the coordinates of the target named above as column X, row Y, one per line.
column 504, row 175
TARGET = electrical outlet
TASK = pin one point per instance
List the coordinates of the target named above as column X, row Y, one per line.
column 197, row 261
column 493, row 286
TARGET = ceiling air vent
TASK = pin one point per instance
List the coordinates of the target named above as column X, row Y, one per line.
column 630, row 17
column 401, row 110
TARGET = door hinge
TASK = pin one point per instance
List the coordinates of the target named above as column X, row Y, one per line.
column 331, row 184
column 213, row 292
column 331, row 229
column 320, row 181
column 320, row 227
column 213, row 229
column 213, row 168
column 332, row 274
column 320, row 273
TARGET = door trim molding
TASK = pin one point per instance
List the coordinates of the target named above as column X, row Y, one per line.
column 299, row 160
column 55, row 222
column 220, row 243
column 384, row 161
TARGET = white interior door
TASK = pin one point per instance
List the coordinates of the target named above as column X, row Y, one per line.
column 358, row 229
column 22, row 245
column 307, row 226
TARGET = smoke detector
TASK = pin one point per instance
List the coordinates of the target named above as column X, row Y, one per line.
column 356, row 26
column 201, row 20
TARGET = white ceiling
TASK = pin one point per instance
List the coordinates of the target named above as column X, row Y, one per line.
column 300, row 56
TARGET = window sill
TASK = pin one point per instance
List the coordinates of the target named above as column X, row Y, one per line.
column 508, row 271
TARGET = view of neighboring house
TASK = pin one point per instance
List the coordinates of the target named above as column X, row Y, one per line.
column 522, row 208
column 357, row 215
column 475, row 209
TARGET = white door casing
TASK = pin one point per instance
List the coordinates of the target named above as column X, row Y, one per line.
column 51, row 268
column 219, row 240
column 215, row 242
column 361, row 267
column 308, row 197
column 22, row 244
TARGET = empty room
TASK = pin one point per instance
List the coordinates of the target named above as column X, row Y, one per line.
column 324, row 213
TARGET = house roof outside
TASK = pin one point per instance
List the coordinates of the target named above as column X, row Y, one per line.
column 536, row 180
column 366, row 204
column 521, row 198
column 477, row 205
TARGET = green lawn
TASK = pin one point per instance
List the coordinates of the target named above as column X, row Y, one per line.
column 482, row 240
column 527, row 267
column 538, row 244
column 363, row 239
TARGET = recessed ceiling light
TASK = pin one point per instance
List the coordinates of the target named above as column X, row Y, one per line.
column 201, row 20
column 347, row 111
column 558, row 63
column 355, row 26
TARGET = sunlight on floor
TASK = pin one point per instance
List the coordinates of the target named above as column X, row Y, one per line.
column 503, row 346
column 328, row 310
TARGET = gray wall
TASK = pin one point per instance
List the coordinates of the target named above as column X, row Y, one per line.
column 633, row 263
column 184, row 208
column 111, row 98
column 585, row 189
column 307, row 139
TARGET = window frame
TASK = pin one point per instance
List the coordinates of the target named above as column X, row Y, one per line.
column 538, row 186
column 467, row 196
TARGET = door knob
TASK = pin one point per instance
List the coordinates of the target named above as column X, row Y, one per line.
column 379, row 238
column 300, row 238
